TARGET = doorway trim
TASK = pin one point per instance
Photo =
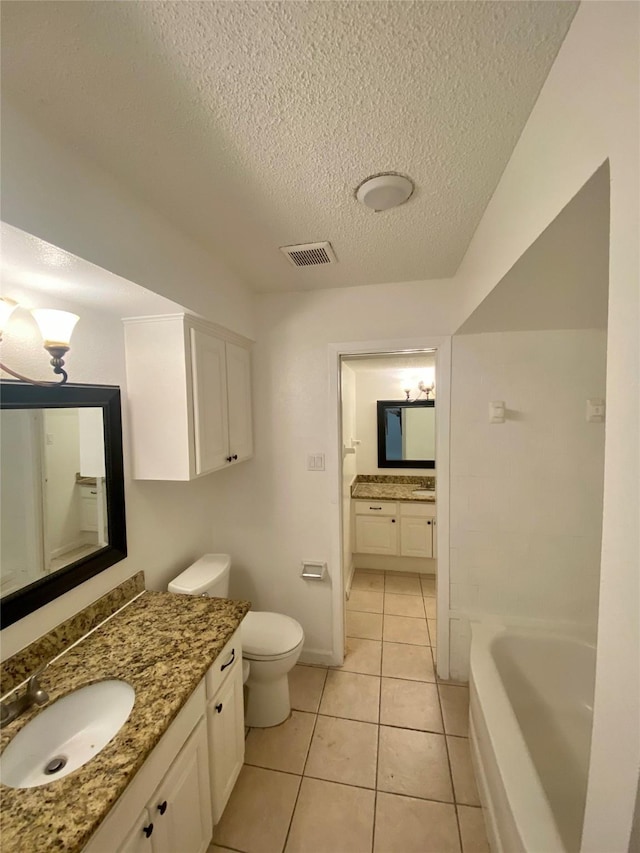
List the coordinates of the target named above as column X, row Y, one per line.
column 442, row 345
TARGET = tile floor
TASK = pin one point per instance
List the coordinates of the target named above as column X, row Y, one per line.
column 375, row 756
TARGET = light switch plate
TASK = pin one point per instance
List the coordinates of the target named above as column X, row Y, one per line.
column 595, row 411
column 315, row 462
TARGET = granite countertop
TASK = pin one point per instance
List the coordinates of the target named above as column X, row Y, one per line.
column 162, row 644
column 389, row 492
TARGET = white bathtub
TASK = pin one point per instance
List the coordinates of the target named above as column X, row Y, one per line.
column 531, row 709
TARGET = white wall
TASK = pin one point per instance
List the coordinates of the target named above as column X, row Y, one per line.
column 61, row 494
column 587, row 112
column 371, row 386
column 280, row 513
column 168, row 524
column 526, row 495
column 21, row 558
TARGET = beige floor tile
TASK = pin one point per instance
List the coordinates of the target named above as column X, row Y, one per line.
column 433, row 632
column 365, row 600
column 403, row 605
column 405, row 629
column 430, row 607
column 413, row 763
column 352, row 696
column 464, row 780
column 473, row 831
column 455, row 709
column 400, row 660
column 373, row 581
column 362, row 656
column 428, row 584
column 367, row 626
column 282, row 747
column 330, row 818
column 344, row 751
column 406, row 825
column 402, row 584
column 305, row 687
column 410, row 705
column 257, row 816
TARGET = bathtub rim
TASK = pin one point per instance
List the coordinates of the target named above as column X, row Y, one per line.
column 522, row 792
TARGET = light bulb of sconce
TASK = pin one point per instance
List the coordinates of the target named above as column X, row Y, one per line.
column 7, row 307
column 55, row 326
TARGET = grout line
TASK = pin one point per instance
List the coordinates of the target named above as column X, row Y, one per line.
column 375, row 796
column 306, row 758
column 453, row 790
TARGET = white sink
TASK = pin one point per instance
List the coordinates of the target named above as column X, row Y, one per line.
column 424, row 493
column 67, row 734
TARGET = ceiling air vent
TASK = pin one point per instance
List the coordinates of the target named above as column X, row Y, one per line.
column 310, row 254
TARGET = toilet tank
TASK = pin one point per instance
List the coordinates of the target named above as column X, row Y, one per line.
column 207, row 576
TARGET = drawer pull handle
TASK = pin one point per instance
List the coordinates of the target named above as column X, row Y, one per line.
column 219, row 707
column 162, row 807
column 148, row 830
column 229, row 662
column 229, row 458
column 234, row 457
column 94, row 493
column 375, row 507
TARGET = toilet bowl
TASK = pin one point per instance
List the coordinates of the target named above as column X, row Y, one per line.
column 271, row 642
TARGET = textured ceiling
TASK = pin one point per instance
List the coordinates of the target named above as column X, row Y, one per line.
column 249, row 124
column 562, row 280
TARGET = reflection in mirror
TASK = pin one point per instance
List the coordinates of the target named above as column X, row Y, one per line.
column 62, row 513
column 406, row 434
column 52, row 479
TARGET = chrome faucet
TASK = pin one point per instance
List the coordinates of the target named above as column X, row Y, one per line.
column 33, row 695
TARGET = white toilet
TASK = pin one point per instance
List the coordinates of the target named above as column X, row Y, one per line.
column 271, row 642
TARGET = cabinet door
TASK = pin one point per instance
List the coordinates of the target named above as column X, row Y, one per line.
column 139, row 839
column 416, row 538
column 210, row 421
column 181, row 807
column 435, row 539
column 376, row 535
column 225, row 719
column 239, row 399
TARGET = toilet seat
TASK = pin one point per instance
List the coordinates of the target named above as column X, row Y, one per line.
column 269, row 636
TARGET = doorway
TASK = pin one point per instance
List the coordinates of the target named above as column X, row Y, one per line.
column 394, row 539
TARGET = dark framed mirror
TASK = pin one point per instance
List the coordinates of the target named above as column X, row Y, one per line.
column 62, row 511
column 406, row 434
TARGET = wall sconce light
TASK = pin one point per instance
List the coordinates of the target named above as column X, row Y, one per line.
column 55, row 327
column 423, row 388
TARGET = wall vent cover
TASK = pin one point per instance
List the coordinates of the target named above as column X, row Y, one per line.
column 310, row 254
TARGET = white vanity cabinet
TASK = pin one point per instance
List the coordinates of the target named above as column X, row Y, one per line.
column 416, row 530
column 225, row 723
column 177, row 817
column 167, row 806
column 189, row 393
column 181, row 790
column 395, row 528
column 376, row 527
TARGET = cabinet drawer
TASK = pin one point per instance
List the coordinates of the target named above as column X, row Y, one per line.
column 227, row 661
column 421, row 510
column 376, row 507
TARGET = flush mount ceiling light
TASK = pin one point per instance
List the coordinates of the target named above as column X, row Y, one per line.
column 384, row 191
column 55, row 327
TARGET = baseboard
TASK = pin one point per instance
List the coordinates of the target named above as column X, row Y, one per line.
column 68, row 546
column 317, row 657
column 395, row 564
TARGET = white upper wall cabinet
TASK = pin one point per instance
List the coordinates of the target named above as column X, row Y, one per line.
column 189, row 396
